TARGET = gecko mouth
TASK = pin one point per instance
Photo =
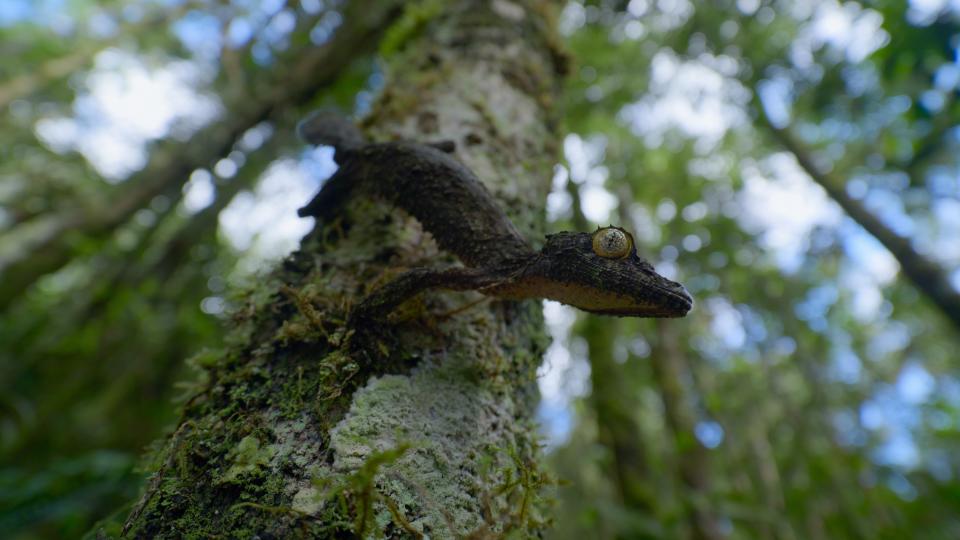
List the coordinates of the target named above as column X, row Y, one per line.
column 665, row 303
column 680, row 299
column 668, row 302
column 642, row 314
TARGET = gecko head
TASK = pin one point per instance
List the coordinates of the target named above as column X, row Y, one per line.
column 600, row 272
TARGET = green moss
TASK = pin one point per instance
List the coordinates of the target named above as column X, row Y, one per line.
column 290, row 435
column 248, row 457
column 437, row 482
column 415, row 17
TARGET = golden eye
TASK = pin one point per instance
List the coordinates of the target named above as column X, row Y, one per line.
column 612, row 243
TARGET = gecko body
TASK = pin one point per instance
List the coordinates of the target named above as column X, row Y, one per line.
column 598, row 272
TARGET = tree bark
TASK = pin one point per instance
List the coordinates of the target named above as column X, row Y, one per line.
column 291, row 436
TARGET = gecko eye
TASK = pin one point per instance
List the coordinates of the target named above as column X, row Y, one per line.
column 612, row 243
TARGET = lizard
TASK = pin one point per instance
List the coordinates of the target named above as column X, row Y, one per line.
column 597, row 272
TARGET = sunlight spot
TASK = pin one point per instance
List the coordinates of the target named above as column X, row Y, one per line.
column 709, row 433
column 692, row 243
column 871, row 416
column 695, row 212
column 868, row 256
column 597, row 203
column 563, row 376
column 845, row 366
column 583, row 157
column 666, row 210
column 775, row 97
column 213, row 305
column 849, row 28
column 60, row 134
column 915, row 384
column 264, row 224
column 699, row 98
column 572, row 18
column 123, row 105
column 726, row 323
column 925, row 12
column 199, row 192
column 225, row 168
column 783, row 206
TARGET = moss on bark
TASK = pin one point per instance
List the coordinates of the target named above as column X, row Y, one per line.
column 290, row 436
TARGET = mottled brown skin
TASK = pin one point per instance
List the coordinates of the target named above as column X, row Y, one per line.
column 569, row 271
column 452, row 204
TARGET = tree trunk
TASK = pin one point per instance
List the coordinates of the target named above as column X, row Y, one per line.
column 291, row 436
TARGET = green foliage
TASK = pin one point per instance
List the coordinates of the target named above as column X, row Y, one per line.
column 777, row 356
column 61, row 496
column 92, row 356
column 774, row 411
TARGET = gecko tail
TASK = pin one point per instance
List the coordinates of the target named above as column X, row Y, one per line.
column 330, row 127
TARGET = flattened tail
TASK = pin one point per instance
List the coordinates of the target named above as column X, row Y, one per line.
column 331, row 128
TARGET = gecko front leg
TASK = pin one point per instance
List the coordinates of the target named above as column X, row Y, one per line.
column 370, row 315
column 378, row 304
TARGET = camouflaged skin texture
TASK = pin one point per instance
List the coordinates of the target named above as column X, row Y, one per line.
column 454, row 206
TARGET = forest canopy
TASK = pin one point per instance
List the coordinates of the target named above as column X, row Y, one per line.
column 792, row 163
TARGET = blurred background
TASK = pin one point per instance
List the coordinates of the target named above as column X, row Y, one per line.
column 794, row 163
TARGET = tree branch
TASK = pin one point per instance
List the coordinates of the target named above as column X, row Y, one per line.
column 58, row 238
column 670, row 369
column 925, row 274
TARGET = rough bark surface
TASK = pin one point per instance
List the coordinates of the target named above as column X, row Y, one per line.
column 288, row 435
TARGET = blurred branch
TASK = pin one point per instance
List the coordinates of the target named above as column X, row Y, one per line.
column 36, row 79
column 819, row 447
column 58, row 238
column 45, row 74
column 165, row 260
column 615, row 405
column 670, row 369
column 809, row 400
column 932, row 144
column 764, row 459
column 925, row 274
